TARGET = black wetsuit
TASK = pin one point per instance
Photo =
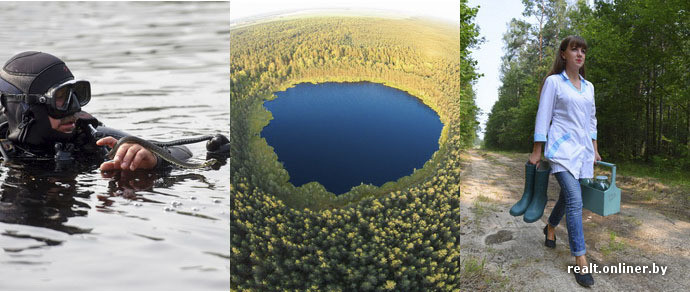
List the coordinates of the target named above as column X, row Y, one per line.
column 82, row 147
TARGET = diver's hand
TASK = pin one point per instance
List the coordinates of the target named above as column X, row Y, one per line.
column 129, row 156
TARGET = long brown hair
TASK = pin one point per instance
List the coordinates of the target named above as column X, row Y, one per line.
column 559, row 62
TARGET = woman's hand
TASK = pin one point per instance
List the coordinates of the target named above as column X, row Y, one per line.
column 535, row 157
column 596, row 152
column 129, row 156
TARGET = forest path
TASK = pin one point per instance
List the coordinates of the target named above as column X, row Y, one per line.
column 639, row 235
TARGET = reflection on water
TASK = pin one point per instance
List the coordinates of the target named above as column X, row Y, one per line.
column 37, row 196
column 158, row 70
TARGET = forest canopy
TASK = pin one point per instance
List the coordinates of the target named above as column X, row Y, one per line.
column 400, row 236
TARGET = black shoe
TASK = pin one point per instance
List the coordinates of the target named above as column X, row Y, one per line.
column 547, row 242
column 585, row 280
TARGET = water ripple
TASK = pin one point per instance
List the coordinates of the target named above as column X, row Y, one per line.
column 158, row 70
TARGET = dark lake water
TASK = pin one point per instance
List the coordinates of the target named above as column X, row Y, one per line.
column 345, row 134
column 158, row 70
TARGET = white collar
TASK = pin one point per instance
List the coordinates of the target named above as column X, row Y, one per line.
column 565, row 76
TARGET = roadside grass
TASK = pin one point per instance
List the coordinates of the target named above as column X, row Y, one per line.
column 511, row 154
column 482, row 207
column 479, row 209
column 485, row 199
column 475, row 276
column 632, row 220
column 488, row 157
column 663, row 189
column 613, row 246
column 675, row 177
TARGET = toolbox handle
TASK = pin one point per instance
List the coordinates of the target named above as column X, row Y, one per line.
column 613, row 170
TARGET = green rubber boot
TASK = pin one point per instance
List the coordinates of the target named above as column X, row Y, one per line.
column 541, row 183
column 520, row 207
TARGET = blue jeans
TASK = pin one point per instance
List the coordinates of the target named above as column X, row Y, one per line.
column 570, row 203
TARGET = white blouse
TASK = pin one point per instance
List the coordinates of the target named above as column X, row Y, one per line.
column 566, row 121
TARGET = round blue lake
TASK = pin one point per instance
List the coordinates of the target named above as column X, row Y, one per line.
column 345, row 134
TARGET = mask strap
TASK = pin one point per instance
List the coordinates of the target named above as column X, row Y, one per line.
column 27, row 98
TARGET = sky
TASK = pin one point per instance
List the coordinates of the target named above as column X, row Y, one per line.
column 492, row 19
column 448, row 10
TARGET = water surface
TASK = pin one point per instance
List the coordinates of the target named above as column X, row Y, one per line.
column 345, row 134
column 157, row 70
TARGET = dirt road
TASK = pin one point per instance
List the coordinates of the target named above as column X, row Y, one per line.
column 514, row 250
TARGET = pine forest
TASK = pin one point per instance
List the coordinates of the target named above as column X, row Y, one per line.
column 400, row 236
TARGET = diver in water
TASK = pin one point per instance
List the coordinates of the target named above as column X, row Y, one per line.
column 43, row 119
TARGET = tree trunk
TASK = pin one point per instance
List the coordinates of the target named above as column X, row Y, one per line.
column 661, row 118
column 687, row 121
column 652, row 106
column 645, row 147
column 541, row 26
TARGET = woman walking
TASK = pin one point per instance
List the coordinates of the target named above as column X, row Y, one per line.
column 567, row 116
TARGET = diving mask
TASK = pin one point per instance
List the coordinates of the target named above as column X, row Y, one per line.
column 62, row 100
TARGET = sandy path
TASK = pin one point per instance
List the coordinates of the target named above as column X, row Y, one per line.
column 491, row 183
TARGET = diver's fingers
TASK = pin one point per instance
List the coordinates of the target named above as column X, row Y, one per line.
column 108, row 141
column 121, row 152
column 109, row 165
column 129, row 156
column 137, row 160
column 144, row 159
